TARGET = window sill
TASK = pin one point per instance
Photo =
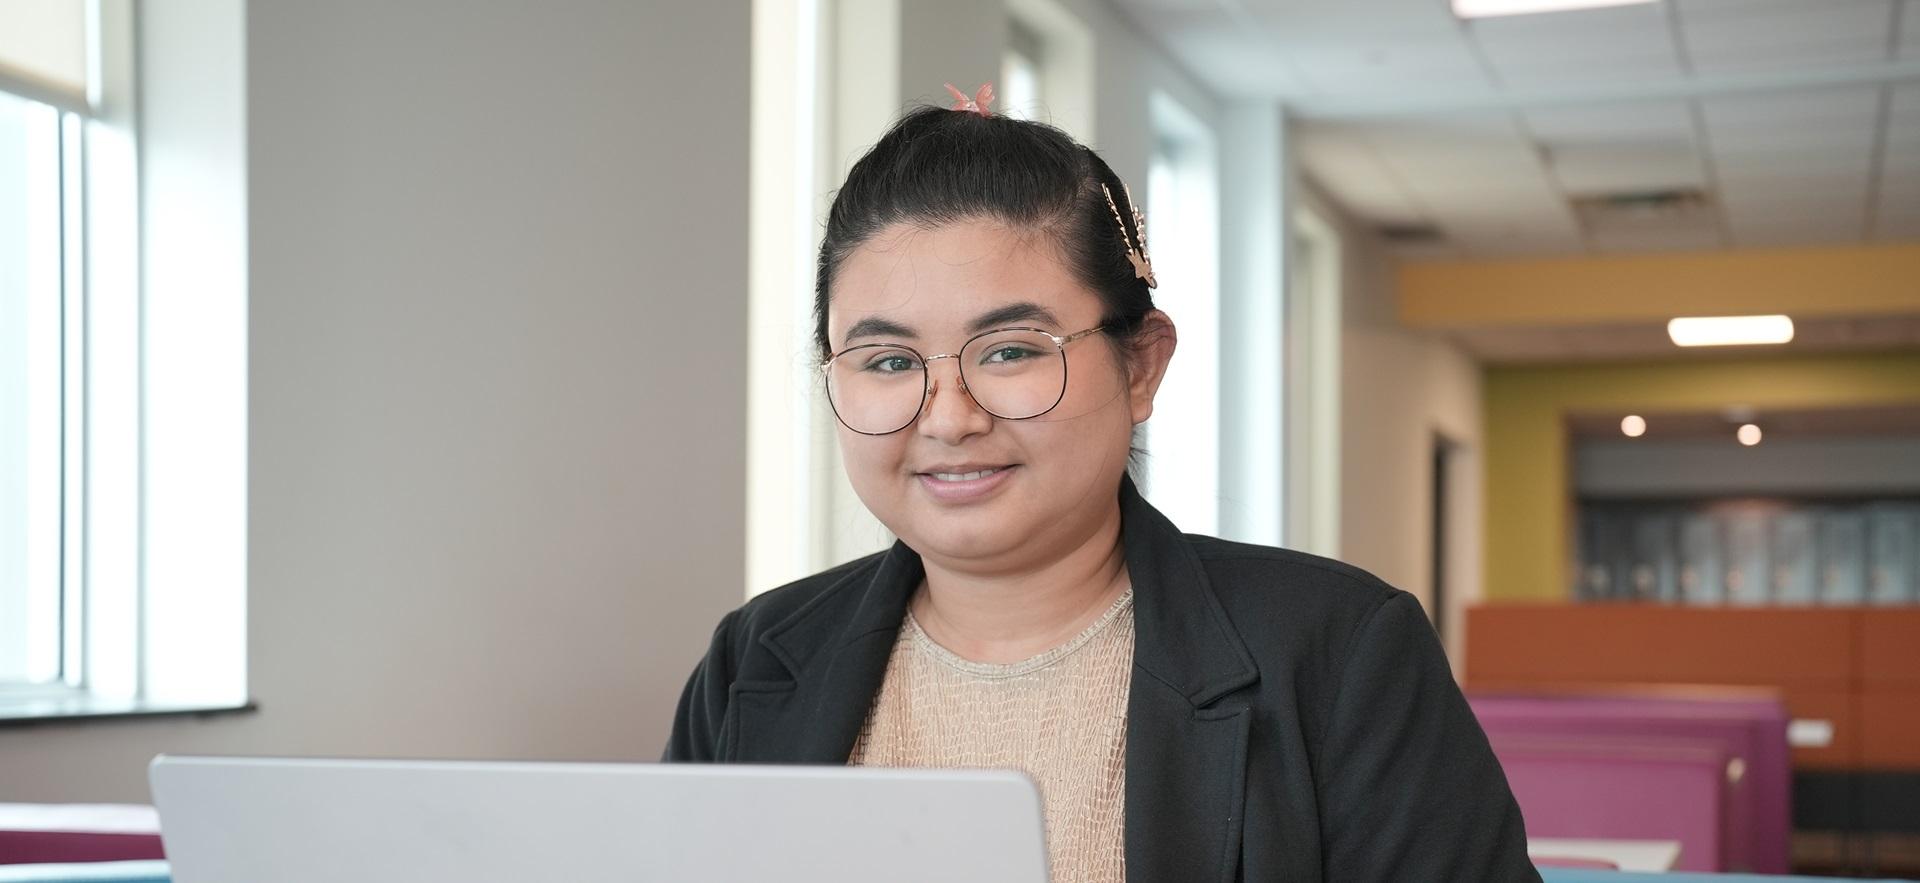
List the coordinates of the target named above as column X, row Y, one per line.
column 49, row 711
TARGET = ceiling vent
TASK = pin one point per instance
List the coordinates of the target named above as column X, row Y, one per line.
column 1674, row 209
column 1410, row 234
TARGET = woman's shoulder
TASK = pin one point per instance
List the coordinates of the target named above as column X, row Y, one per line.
column 1233, row 566
column 1283, row 595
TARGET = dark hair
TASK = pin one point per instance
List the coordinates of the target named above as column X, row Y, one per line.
column 939, row 166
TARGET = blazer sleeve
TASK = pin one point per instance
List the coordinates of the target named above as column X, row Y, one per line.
column 1410, row 788
column 703, row 704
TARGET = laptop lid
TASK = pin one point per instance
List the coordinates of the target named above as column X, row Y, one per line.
column 246, row 820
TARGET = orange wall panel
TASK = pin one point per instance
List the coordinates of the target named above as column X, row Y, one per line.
column 1890, row 648
column 1890, row 729
column 1657, row 644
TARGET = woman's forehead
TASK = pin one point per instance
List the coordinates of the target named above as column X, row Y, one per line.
column 946, row 277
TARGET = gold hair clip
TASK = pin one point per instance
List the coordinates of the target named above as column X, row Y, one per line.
column 1138, row 257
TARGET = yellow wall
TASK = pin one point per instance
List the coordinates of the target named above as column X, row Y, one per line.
column 1527, row 536
column 1801, row 282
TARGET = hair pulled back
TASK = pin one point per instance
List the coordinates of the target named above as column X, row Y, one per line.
column 936, row 167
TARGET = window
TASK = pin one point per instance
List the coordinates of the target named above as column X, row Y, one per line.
column 122, row 360
column 1046, row 67
column 43, row 129
column 1183, row 436
column 35, row 392
column 1020, row 91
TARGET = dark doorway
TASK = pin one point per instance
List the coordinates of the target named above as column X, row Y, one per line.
column 1442, row 456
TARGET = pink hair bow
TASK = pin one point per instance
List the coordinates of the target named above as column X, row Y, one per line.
column 978, row 103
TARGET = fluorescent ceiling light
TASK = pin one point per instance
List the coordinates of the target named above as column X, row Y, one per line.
column 1489, row 8
column 1730, row 330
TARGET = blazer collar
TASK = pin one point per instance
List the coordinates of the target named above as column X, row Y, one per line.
column 1181, row 633
column 1182, row 637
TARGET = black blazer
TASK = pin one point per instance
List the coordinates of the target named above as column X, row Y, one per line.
column 1291, row 717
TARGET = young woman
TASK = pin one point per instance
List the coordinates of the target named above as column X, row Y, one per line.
column 1192, row 709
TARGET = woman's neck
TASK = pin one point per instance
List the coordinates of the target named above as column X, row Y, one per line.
column 1002, row 617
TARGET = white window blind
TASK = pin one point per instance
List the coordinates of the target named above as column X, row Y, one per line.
column 43, row 51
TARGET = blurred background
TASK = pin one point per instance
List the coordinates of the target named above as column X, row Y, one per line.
column 427, row 378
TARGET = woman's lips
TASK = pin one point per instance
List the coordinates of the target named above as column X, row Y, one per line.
column 967, row 489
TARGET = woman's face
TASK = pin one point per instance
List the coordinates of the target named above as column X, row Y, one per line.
column 1052, row 480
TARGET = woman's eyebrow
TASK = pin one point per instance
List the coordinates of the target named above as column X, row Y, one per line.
column 1024, row 311
column 876, row 327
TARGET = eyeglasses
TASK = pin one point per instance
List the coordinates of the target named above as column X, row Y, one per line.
column 1011, row 373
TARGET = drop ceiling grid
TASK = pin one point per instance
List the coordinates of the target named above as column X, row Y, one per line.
column 1810, row 164
column 1354, row 140
column 1479, row 178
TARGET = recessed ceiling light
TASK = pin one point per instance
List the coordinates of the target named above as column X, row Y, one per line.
column 1730, row 330
column 1633, row 426
column 1749, row 434
column 1489, row 8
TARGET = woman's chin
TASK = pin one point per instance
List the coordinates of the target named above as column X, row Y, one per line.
column 967, row 536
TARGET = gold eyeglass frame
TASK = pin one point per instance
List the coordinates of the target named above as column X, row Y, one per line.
column 926, row 373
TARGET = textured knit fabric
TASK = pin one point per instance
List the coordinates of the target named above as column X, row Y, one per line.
column 1060, row 717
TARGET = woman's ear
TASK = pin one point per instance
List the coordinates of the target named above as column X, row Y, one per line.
column 1147, row 360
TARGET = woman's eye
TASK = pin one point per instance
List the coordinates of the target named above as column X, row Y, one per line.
column 892, row 364
column 1009, row 354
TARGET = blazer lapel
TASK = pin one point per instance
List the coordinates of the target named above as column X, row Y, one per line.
column 831, row 655
column 1186, row 786
column 1186, row 740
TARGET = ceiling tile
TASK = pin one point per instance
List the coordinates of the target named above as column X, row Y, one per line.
column 1585, row 46
column 1349, row 173
column 1631, row 123
column 1583, row 169
column 1443, row 64
column 1574, row 30
column 1238, row 63
column 1308, row 22
column 1849, row 106
column 1833, row 225
column 1782, row 208
column 1728, row 36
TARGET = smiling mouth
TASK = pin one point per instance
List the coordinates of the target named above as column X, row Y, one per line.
column 960, row 472
column 964, row 476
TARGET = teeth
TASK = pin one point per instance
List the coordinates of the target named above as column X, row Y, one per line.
column 963, row 476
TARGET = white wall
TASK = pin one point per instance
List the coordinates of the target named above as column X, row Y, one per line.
column 1400, row 388
column 496, row 452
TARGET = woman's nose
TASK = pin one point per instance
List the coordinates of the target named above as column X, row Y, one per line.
column 951, row 414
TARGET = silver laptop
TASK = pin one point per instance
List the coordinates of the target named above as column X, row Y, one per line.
column 249, row 820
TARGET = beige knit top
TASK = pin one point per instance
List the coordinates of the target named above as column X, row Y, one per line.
column 1060, row 717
